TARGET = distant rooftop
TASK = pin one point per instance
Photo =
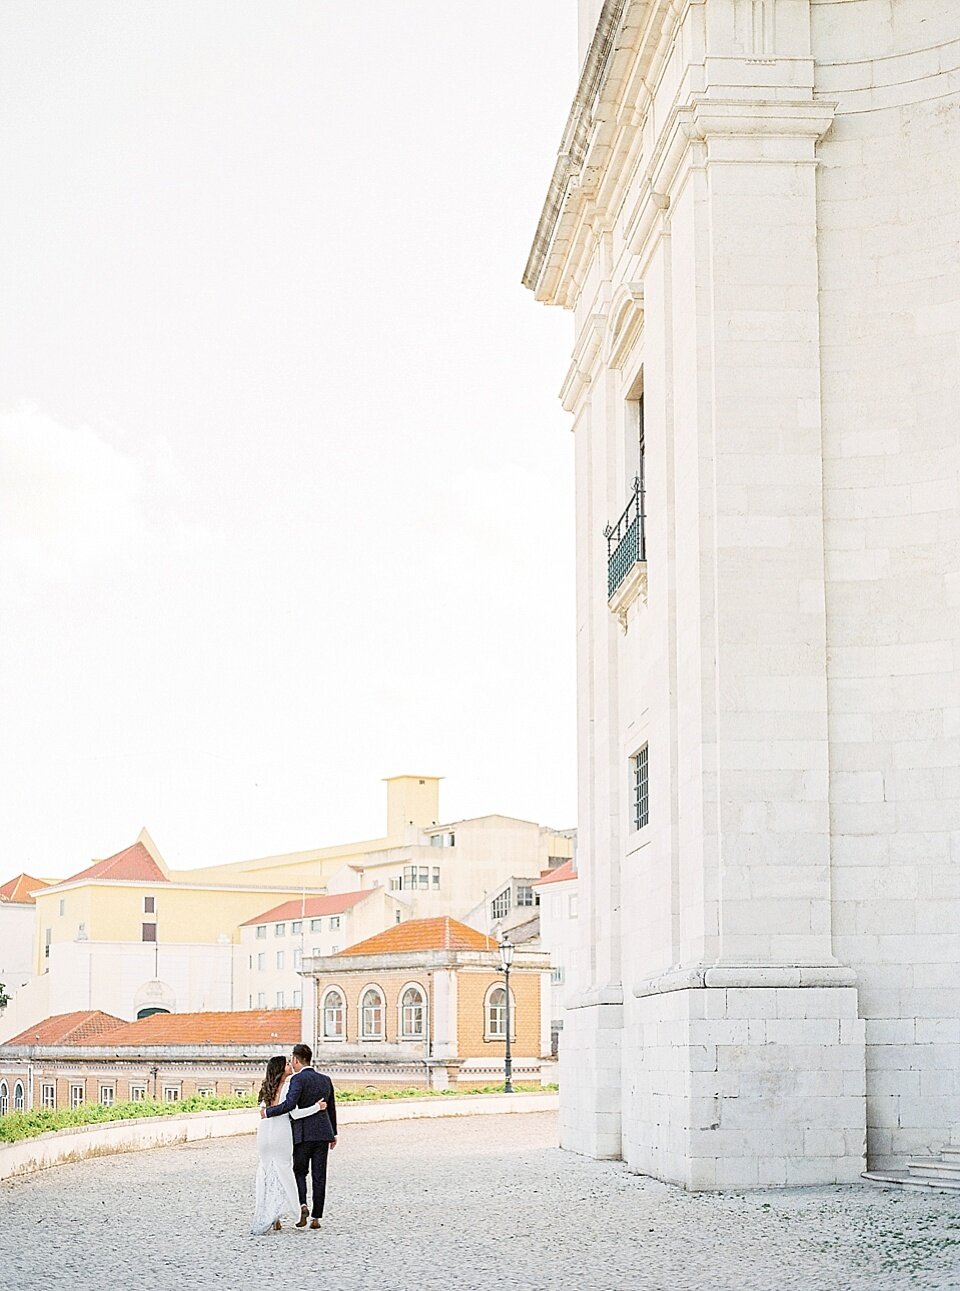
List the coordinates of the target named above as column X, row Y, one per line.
column 20, row 890
column 423, row 934
column 82, row 1027
column 559, row 875
column 257, row 1026
column 135, row 864
column 312, row 908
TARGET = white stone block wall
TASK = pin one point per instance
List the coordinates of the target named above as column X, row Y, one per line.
column 888, row 227
column 590, row 1106
column 791, row 226
column 745, row 1087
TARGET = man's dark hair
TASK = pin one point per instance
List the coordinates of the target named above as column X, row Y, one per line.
column 303, row 1054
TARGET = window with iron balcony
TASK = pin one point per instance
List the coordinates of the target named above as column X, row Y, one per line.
column 626, row 543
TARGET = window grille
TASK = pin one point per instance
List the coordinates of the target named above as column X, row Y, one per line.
column 640, row 795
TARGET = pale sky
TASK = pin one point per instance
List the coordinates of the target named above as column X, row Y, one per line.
column 286, row 496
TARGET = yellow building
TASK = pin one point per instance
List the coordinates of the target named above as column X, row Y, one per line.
column 424, row 1003
column 130, row 936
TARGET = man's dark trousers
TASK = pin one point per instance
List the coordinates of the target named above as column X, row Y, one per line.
column 311, row 1158
column 312, row 1135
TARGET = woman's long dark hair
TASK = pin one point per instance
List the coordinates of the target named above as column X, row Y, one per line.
column 272, row 1079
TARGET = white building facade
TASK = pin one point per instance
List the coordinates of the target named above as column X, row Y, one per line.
column 754, row 218
column 269, row 958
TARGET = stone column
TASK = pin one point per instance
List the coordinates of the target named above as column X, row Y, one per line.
column 749, row 1049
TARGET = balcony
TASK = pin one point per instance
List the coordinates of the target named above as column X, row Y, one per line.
column 627, row 555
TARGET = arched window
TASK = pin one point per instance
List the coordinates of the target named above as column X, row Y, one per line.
column 371, row 1014
column 18, row 1097
column 413, row 1013
column 4, row 1098
column 495, row 1014
column 333, row 1015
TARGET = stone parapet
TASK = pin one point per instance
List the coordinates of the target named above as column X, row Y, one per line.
column 82, row 1141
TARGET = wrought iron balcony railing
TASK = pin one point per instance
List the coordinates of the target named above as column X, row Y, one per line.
column 626, row 540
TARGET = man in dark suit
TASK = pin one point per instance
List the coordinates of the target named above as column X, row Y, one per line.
column 313, row 1136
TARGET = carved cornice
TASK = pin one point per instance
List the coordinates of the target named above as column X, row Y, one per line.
column 626, row 322
column 573, row 146
column 586, row 356
column 601, row 143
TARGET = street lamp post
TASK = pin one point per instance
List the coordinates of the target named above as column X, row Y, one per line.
column 506, row 959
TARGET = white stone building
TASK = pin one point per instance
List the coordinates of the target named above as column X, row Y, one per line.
column 273, row 945
column 754, row 218
column 559, row 910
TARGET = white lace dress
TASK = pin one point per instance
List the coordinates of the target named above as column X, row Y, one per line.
column 276, row 1187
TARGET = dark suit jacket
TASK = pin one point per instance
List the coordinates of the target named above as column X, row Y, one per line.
column 306, row 1088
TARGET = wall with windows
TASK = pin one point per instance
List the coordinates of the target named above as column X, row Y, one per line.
column 414, row 1011
column 144, row 913
column 116, row 976
column 756, row 241
column 560, row 937
column 458, row 868
column 268, row 959
column 369, row 1010
column 64, row 1083
column 477, row 1034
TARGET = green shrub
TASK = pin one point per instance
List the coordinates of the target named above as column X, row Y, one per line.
column 26, row 1125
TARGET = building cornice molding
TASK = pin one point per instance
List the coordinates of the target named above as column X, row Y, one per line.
column 745, row 976
column 625, row 322
column 573, row 145
column 290, row 890
column 602, row 142
column 585, row 361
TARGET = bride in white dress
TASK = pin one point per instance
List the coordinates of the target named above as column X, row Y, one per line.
column 276, row 1186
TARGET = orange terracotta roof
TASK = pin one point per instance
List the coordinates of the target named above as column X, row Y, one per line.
column 20, row 890
column 259, row 1026
column 135, row 864
column 423, row 934
column 83, row 1027
column 311, row 908
column 559, row 875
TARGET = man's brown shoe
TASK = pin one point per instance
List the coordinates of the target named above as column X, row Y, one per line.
column 314, row 1223
column 302, row 1221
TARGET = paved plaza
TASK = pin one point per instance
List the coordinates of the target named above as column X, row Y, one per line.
column 479, row 1203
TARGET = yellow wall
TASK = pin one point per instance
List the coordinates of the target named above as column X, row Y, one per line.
column 391, row 983
column 472, row 987
column 412, row 800
column 114, row 912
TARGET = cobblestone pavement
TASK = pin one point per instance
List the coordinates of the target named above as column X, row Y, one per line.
column 478, row 1204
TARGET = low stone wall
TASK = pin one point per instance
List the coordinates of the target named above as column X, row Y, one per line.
column 80, row 1141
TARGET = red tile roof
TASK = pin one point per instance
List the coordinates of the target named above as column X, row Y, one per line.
column 312, row 908
column 135, row 864
column 259, row 1026
column 559, row 875
column 423, row 934
column 20, row 890
column 83, row 1027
